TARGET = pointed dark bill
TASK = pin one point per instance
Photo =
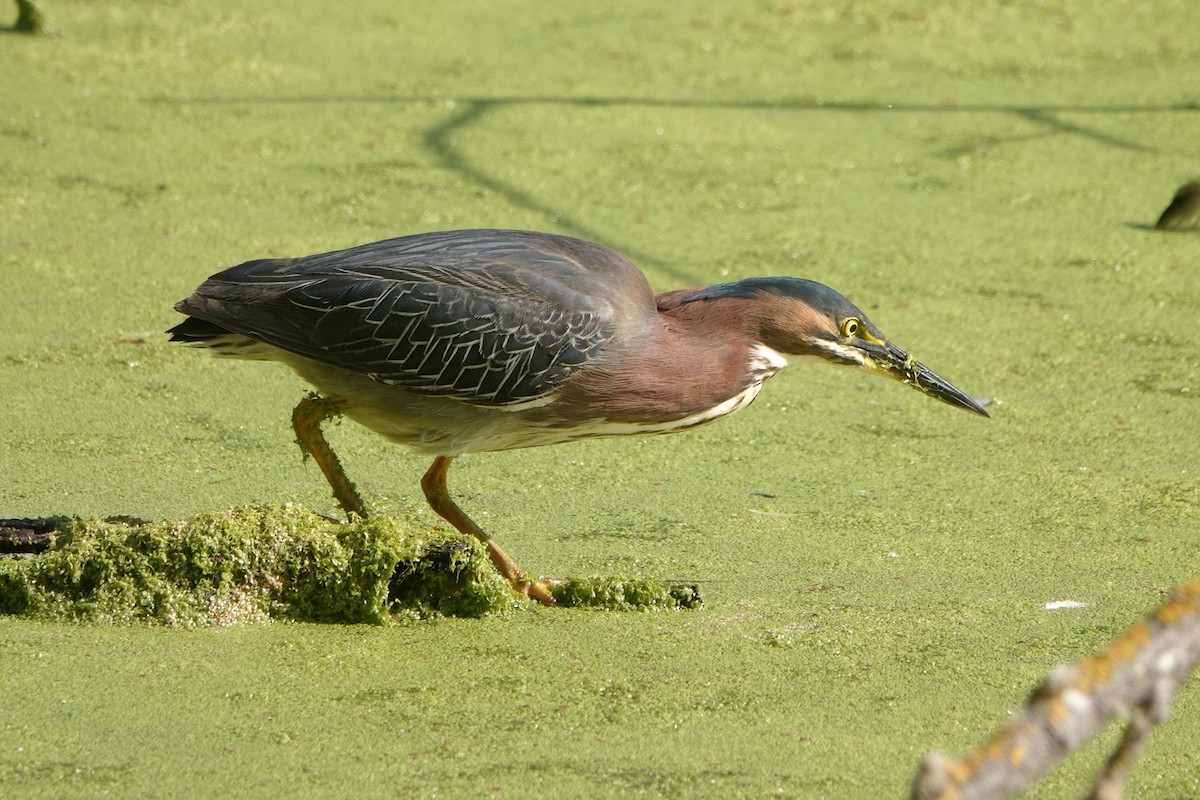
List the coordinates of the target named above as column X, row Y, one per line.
column 895, row 363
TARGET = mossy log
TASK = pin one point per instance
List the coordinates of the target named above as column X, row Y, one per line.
column 266, row 562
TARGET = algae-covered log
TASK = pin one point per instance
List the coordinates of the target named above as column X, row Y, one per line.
column 626, row 593
column 264, row 562
column 251, row 563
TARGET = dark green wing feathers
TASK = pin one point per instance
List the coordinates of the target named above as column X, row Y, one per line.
column 491, row 318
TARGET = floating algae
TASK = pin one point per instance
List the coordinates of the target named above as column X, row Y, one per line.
column 640, row 594
column 277, row 562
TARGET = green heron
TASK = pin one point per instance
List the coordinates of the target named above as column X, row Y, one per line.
column 466, row 341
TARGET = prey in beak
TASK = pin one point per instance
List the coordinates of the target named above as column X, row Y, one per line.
column 895, row 363
column 857, row 342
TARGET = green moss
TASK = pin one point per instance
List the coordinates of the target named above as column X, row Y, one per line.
column 264, row 562
column 453, row 578
column 635, row 594
column 252, row 563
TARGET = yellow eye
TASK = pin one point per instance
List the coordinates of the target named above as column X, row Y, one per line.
column 850, row 327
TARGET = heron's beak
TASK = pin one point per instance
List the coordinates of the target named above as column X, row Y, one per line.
column 895, row 363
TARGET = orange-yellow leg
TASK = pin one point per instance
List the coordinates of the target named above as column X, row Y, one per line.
column 306, row 421
column 438, row 495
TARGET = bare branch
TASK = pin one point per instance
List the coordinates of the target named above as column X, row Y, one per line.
column 1138, row 674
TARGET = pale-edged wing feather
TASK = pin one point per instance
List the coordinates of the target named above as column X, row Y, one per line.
column 487, row 317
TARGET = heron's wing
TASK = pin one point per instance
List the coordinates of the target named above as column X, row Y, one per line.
column 488, row 317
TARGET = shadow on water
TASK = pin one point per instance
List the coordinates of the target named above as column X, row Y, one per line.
column 471, row 112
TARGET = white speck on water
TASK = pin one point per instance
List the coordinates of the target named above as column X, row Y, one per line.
column 1055, row 605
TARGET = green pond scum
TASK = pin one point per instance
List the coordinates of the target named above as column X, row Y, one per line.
column 634, row 594
column 278, row 562
column 983, row 180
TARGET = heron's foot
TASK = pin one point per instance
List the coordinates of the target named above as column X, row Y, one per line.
column 538, row 590
column 511, row 571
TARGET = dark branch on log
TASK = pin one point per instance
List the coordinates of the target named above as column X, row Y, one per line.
column 26, row 535
column 1138, row 674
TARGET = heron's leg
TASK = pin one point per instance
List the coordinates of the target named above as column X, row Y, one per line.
column 438, row 495
column 306, row 421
